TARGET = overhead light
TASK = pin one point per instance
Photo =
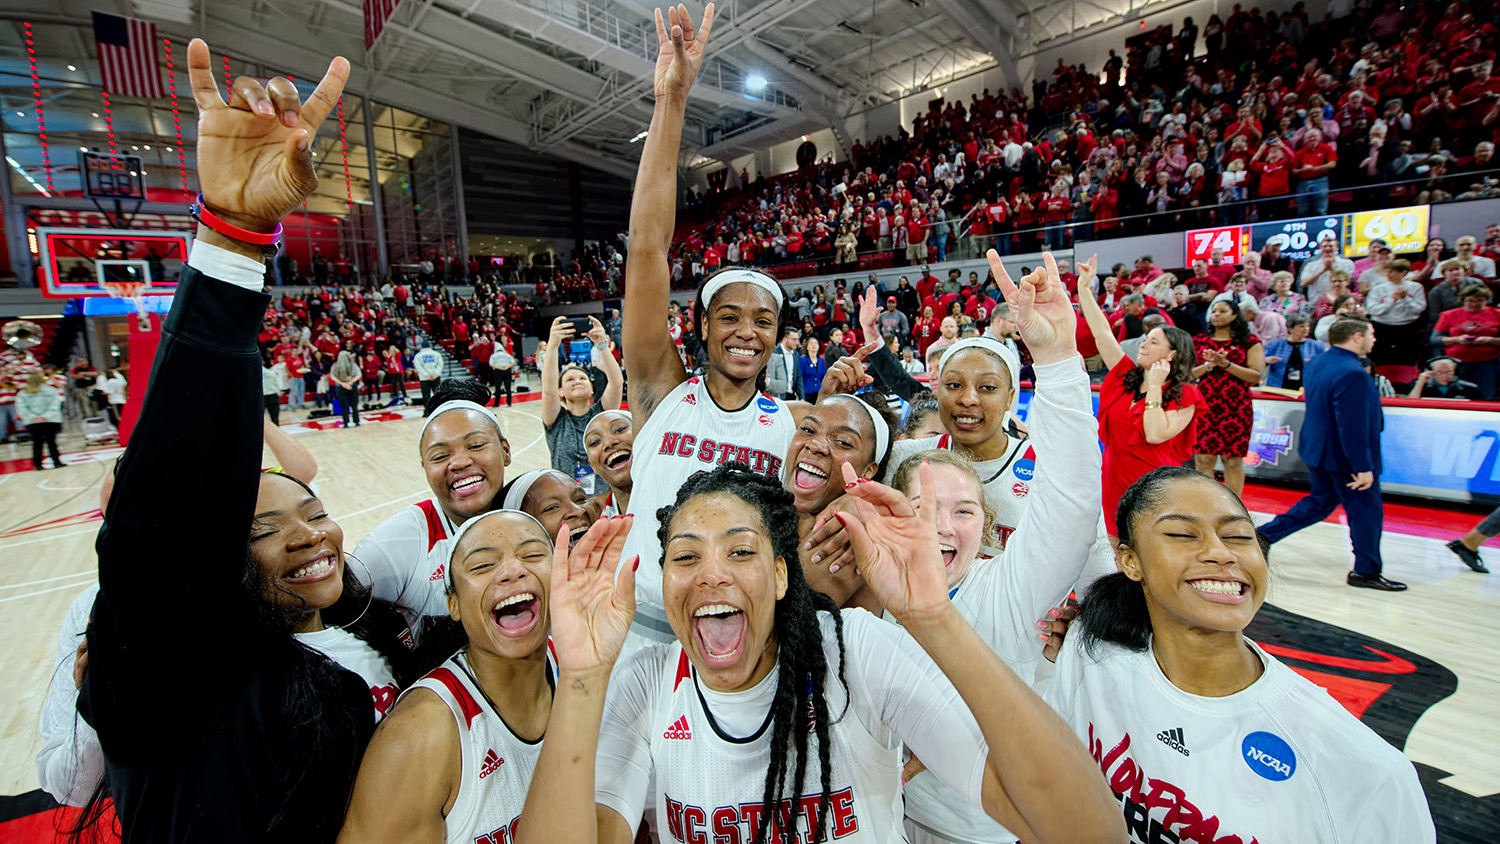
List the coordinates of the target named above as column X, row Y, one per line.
column 70, row 67
column 640, row 137
column 83, row 149
column 133, row 146
column 148, row 146
column 20, row 114
column 755, row 82
column 96, row 114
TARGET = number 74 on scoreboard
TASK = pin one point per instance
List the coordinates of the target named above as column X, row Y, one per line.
column 1233, row 241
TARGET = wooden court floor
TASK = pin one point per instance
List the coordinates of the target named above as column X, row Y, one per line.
column 1421, row 667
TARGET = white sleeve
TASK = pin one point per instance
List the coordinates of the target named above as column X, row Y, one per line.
column 894, row 683
column 1394, row 809
column 1051, row 545
column 218, row 262
column 622, row 766
column 393, row 553
column 71, row 762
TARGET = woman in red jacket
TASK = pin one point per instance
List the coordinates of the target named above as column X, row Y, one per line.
column 927, row 330
column 1272, row 166
column 1107, row 211
column 371, row 365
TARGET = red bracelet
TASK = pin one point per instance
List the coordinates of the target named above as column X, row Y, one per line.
column 208, row 218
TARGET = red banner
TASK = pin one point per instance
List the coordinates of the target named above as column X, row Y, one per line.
column 377, row 12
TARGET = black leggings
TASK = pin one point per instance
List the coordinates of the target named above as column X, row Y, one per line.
column 273, row 407
column 503, row 379
column 348, row 402
column 44, row 432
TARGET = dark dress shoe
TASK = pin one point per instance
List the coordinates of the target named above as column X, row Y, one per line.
column 1470, row 558
column 1375, row 582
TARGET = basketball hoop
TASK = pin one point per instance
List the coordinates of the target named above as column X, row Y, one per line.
column 135, row 291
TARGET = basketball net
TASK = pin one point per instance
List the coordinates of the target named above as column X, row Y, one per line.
column 135, row 291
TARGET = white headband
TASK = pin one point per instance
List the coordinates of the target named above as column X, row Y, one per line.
column 882, row 429
column 460, row 404
column 516, row 492
column 999, row 350
column 464, row 528
column 759, row 279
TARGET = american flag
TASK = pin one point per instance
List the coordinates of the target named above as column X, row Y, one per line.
column 127, row 56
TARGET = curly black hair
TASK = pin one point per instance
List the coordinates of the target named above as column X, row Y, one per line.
column 802, row 663
column 452, row 389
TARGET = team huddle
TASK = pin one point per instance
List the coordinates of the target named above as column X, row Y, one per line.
column 766, row 621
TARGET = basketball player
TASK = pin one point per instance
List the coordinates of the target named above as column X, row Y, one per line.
column 1197, row 727
column 247, row 735
column 839, row 429
column 554, row 499
column 609, row 440
column 453, row 761
column 687, row 425
column 464, row 455
column 758, row 678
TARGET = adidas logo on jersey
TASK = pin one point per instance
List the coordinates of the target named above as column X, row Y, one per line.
column 492, row 763
column 438, row 575
column 679, row 729
column 1173, row 738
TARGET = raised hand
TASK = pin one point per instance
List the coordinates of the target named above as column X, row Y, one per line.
column 254, row 153
column 679, row 49
column 562, row 331
column 1041, row 309
column 591, row 607
column 1086, row 272
column 896, row 546
column 597, row 334
column 869, row 312
column 847, row 375
column 1156, row 374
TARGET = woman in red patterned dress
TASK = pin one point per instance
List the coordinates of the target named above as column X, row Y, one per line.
column 1230, row 359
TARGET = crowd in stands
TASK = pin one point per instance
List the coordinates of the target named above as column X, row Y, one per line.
column 1257, row 116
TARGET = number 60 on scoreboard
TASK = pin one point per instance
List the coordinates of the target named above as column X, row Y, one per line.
column 1402, row 229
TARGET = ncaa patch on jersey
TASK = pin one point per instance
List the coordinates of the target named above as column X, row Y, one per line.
column 766, row 403
column 1025, row 469
column 1269, row 755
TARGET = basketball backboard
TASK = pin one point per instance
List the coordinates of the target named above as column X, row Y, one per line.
column 78, row 262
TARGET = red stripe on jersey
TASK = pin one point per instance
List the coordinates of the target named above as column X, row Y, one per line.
column 435, row 530
column 460, row 693
column 944, row 441
column 682, row 670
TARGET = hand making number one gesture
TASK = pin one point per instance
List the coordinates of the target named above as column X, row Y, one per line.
column 591, row 607
column 1042, row 311
column 680, row 49
column 254, row 153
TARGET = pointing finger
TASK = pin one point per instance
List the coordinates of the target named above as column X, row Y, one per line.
column 1002, row 278
column 201, row 76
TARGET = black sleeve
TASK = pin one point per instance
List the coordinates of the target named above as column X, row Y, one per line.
column 887, row 371
column 171, row 630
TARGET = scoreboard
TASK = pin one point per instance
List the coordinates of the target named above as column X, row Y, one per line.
column 112, row 176
column 1403, row 229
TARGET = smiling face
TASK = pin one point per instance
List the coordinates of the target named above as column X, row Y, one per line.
column 557, row 500
column 298, row 548
column 960, row 516
column 1195, row 553
column 739, row 330
column 464, row 458
column 1220, row 315
column 832, row 432
column 574, row 385
column 973, row 396
column 609, row 440
column 500, row 571
column 1154, row 348
column 721, row 579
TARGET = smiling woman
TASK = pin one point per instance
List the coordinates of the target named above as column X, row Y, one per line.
column 1244, row 743
column 454, row 760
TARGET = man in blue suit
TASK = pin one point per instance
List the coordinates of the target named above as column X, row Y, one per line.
column 1341, row 447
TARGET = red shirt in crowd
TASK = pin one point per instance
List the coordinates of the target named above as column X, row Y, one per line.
column 1459, row 322
column 1314, row 156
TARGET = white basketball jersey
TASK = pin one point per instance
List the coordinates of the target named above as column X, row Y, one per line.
column 710, row 783
column 497, row 764
column 1278, row 761
column 1007, row 479
column 396, row 556
column 355, row 654
column 688, row 434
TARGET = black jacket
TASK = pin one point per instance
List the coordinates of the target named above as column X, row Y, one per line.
column 191, row 692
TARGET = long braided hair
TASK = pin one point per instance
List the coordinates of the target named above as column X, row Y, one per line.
column 802, row 665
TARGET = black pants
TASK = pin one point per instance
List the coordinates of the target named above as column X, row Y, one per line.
column 398, row 383
column 503, row 380
column 114, row 415
column 273, row 407
column 348, row 402
column 44, row 432
column 427, row 385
